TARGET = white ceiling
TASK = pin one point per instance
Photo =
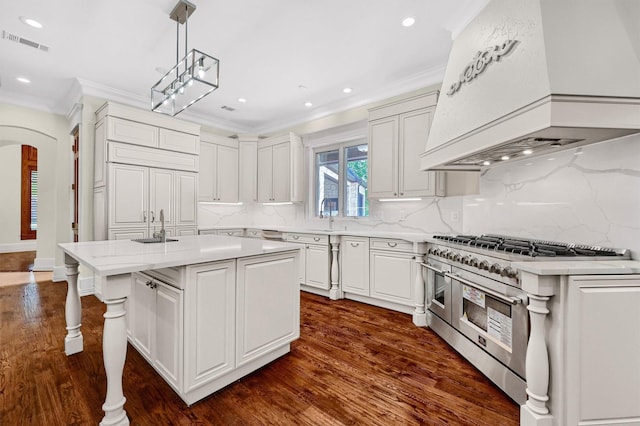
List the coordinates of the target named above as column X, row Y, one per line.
column 267, row 50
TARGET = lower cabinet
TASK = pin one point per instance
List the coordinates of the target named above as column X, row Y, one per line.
column 155, row 322
column 354, row 260
column 315, row 258
column 392, row 271
column 210, row 322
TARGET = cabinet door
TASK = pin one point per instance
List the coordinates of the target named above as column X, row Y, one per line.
column 161, row 196
column 383, row 157
column 128, row 196
column 227, row 171
column 414, row 131
column 265, row 174
column 207, row 179
column 248, row 169
column 142, row 311
column 392, row 276
column 317, row 266
column 186, row 199
column 127, row 233
column 268, row 308
column 282, row 172
column 210, row 322
column 99, row 156
column 168, row 332
column 354, row 252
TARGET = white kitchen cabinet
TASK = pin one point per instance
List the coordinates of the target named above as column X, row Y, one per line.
column 354, row 261
column 210, row 322
column 248, row 169
column 268, row 311
column 218, row 169
column 144, row 163
column 397, row 136
column 155, row 318
column 280, row 177
column 137, row 194
column 315, row 259
column 392, row 270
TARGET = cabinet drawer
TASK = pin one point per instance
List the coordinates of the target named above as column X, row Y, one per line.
column 143, row 156
column 170, row 276
column 391, row 244
column 177, row 141
column 235, row 232
column 254, row 233
column 207, row 232
column 131, row 132
column 306, row 238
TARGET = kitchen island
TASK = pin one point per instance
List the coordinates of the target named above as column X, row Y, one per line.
column 203, row 310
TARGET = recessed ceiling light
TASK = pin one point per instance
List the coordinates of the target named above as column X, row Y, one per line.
column 407, row 22
column 308, row 104
column 23, row 80
column 527, row 151
column 242, row 100
column 486, row 163
column 504, row 157
column 30, row 22
column 346, row 90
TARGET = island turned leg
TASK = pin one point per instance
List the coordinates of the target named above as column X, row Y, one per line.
column 335, row 293
column 73, row 342
column 114, row 352
column 419, row 314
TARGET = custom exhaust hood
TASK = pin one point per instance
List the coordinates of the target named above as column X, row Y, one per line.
column 529, row 77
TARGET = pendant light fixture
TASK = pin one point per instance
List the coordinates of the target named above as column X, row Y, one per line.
column 192, row 78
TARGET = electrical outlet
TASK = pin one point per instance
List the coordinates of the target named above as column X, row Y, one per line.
column 455, row 216
column 403, row 215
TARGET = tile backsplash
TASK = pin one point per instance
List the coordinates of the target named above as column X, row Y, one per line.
column 588, row 195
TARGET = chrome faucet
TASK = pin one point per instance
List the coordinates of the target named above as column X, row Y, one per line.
column 322, row 215
column 162, row 234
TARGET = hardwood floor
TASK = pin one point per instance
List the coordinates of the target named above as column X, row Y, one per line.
column 353, row 364
column 17, row 262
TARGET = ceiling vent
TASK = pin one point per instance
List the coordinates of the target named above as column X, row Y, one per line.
column 12, row 37
column 228, row 108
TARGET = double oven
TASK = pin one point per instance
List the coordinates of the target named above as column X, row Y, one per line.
column 476, row 304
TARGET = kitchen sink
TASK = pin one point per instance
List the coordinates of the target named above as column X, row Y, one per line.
column 153, row 240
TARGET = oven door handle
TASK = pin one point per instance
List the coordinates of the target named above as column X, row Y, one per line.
column 506, row 299
column 433, row 268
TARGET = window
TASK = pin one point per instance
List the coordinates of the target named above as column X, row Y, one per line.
column 341, row 180
column 29, row 193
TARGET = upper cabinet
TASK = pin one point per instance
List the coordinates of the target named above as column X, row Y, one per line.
column 280, row 177
column 397, row 135
column 144, row 163
column 218, row 169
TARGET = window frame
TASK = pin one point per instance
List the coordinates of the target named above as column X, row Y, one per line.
column 341, row 148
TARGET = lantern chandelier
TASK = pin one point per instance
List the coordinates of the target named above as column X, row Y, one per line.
column 191, row 79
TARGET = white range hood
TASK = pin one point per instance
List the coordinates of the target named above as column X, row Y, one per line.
column 540, row 76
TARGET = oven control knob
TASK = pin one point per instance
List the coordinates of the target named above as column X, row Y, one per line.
column 474, row 262
column 509, row 272
column 451, row 255
column 444, row 253
column 431, row 250
column 457, row 258
column 467, row 259
column 484, row 265
column 496, row 268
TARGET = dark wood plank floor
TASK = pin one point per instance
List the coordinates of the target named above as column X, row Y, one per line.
column 354, row 364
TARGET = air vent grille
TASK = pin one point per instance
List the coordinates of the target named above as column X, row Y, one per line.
column 228, row 108
column 12, row 37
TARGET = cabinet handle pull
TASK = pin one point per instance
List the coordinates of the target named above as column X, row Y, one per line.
column 355, row 244
column 392, row 244
column 144, row 216
column 148, row 283
column 153, row 217
column 316, row 238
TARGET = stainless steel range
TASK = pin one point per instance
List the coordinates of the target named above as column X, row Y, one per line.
column 476, row 304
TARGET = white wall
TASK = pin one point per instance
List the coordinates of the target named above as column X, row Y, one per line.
column 10, row 169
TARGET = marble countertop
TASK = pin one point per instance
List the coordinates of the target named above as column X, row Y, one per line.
column 115, row 257
column 406, row 236
column 580, row 267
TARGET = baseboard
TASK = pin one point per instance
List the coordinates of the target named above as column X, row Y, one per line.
column 21, row 246
column 59, row 274
column 44, row 264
